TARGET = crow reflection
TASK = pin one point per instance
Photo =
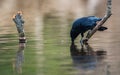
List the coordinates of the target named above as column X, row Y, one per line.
column 86, row 57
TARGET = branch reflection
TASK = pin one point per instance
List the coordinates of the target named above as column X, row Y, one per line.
column 86, row 58
column 17, row 65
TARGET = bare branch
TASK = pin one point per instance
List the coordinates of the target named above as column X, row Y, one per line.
column 105, row 18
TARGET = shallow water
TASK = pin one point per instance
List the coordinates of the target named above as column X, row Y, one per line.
column 48, row 49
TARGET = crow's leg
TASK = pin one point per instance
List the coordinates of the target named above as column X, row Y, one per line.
column 81, row 41
column 73, row 35
column 72, row 41
column 86, row 38
column 88, row 33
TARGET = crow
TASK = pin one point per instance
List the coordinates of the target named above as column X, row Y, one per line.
column 81, row 25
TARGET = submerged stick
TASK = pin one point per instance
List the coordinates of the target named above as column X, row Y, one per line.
column 18, row 19
column 104, row 19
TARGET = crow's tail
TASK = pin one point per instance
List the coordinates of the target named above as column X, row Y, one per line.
column 102, row 28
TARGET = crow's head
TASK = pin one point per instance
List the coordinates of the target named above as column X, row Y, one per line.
column 94, row 18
